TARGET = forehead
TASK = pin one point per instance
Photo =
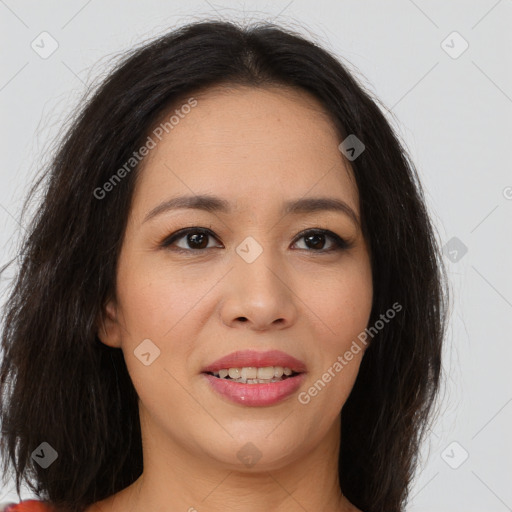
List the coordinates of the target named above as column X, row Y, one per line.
column 249, row 145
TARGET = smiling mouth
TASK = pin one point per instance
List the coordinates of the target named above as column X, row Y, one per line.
column 254, row 375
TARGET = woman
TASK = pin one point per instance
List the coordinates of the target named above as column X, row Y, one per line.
column 231, row 296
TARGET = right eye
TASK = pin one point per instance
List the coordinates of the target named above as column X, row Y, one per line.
column 196, row 239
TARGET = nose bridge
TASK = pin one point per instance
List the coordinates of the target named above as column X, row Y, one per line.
column 256, row 263
column 257, row 291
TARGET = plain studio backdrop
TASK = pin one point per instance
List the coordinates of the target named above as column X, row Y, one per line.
column 442, row 69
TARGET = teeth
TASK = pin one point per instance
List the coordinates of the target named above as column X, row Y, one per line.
column 266, row 373
column 253, row 375
column 278, row 371
column 234, row 373
column 250, row 372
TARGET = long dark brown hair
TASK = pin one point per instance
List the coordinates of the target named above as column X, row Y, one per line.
column 59, row 384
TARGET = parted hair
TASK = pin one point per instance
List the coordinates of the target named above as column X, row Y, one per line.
column 60, row 385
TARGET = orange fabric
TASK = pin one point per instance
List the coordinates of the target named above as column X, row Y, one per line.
column 29, row 506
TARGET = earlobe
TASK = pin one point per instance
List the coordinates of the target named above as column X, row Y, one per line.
column 108, row 330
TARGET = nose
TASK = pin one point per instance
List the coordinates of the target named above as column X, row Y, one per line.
column 259, row 295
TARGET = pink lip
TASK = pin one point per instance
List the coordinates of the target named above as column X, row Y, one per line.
column 256, row 395
column 245, row 358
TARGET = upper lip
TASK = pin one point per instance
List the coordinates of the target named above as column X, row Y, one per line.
column 246, row 358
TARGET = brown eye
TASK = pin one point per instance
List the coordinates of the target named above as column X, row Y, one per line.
column 197, row 239
column 315, row 239
column 194, row 239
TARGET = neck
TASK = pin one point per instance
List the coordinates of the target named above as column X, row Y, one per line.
column 175, row 479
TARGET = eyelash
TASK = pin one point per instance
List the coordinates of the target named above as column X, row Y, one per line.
column 339, row 243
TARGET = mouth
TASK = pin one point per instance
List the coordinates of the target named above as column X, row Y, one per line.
column 255, row 392
column 256, row 379
column 254, row 375
column 251, row 361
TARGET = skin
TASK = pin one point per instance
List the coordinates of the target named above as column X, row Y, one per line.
column 254, row 147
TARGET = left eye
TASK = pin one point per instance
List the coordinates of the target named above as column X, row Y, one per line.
column 197, row 240
column 316, row 237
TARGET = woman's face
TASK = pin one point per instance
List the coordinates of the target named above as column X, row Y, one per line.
column 248, row 277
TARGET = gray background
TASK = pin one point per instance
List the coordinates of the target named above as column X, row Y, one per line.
column 453, row 111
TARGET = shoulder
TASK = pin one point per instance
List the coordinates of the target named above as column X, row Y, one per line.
column 26, row 506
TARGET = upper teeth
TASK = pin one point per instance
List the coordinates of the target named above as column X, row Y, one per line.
column 251, row 372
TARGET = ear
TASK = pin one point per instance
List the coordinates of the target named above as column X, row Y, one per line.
column 109, row 328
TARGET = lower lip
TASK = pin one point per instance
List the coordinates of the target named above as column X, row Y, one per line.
column 256, row 395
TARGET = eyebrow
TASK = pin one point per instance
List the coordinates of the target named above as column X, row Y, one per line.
column 211, row 203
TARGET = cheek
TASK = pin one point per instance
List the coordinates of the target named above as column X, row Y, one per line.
column 343, row 301
column 346, row 314
column 157, row 307
column 348, row 306
column 157, row 298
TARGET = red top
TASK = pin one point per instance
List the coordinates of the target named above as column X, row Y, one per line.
column 28, row 506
